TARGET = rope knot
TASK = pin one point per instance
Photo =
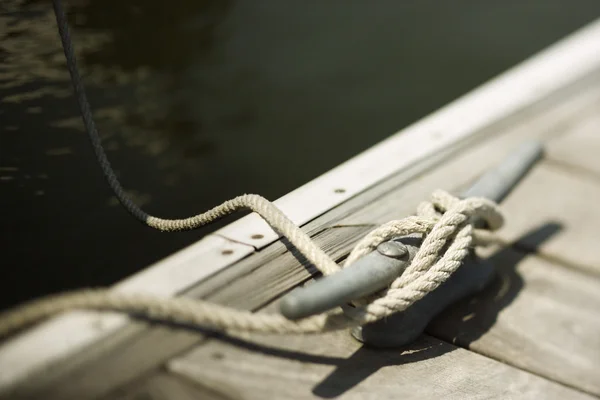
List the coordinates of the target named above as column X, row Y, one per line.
column 447, row 225
column 474, row 207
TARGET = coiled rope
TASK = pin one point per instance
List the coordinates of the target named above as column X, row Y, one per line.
column 445, row 222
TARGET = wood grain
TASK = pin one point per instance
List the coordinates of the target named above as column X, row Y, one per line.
column 552, row 194
column 166, row 386
column 71, row 333
column 580, row 147
column 336, row 366
column 537, row 316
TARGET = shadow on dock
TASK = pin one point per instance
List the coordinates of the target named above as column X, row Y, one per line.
column 483, row 308
column 467, row 320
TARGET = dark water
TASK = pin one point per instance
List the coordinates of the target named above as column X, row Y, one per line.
column 199, row 101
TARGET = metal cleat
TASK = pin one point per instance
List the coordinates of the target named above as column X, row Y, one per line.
column 376, row 270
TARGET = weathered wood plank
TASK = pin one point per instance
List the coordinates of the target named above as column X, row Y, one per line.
column 68, row 334
column 580, row 147
column 537, row 316
column 166, row 386
column 552, row 193
column 335, row 365
column 142, row 348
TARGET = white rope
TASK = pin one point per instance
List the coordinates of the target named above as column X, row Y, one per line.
column 444, row 222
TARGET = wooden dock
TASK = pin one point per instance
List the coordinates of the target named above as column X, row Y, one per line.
column 533, row 333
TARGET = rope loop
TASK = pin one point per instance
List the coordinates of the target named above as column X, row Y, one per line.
column 446, row 226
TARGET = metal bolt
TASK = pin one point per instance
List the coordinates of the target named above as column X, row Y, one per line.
column 392, row 249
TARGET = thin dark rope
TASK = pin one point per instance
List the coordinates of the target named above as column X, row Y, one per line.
column 256, row 203
column 88, row 119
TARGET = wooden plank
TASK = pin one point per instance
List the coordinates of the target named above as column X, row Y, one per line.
column 559, row 195
column 335, row 365
column 166, row 386
column 142, row 349
column 580, row 147
column 182, row 269
column 51, row 341
column 68, row 334
column 537, row 316
column 138, row 350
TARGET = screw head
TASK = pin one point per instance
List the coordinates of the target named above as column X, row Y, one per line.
column 392, row 249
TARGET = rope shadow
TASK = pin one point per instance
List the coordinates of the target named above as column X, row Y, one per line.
column 367, row 361
column 350, row 371
column 469, row 319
